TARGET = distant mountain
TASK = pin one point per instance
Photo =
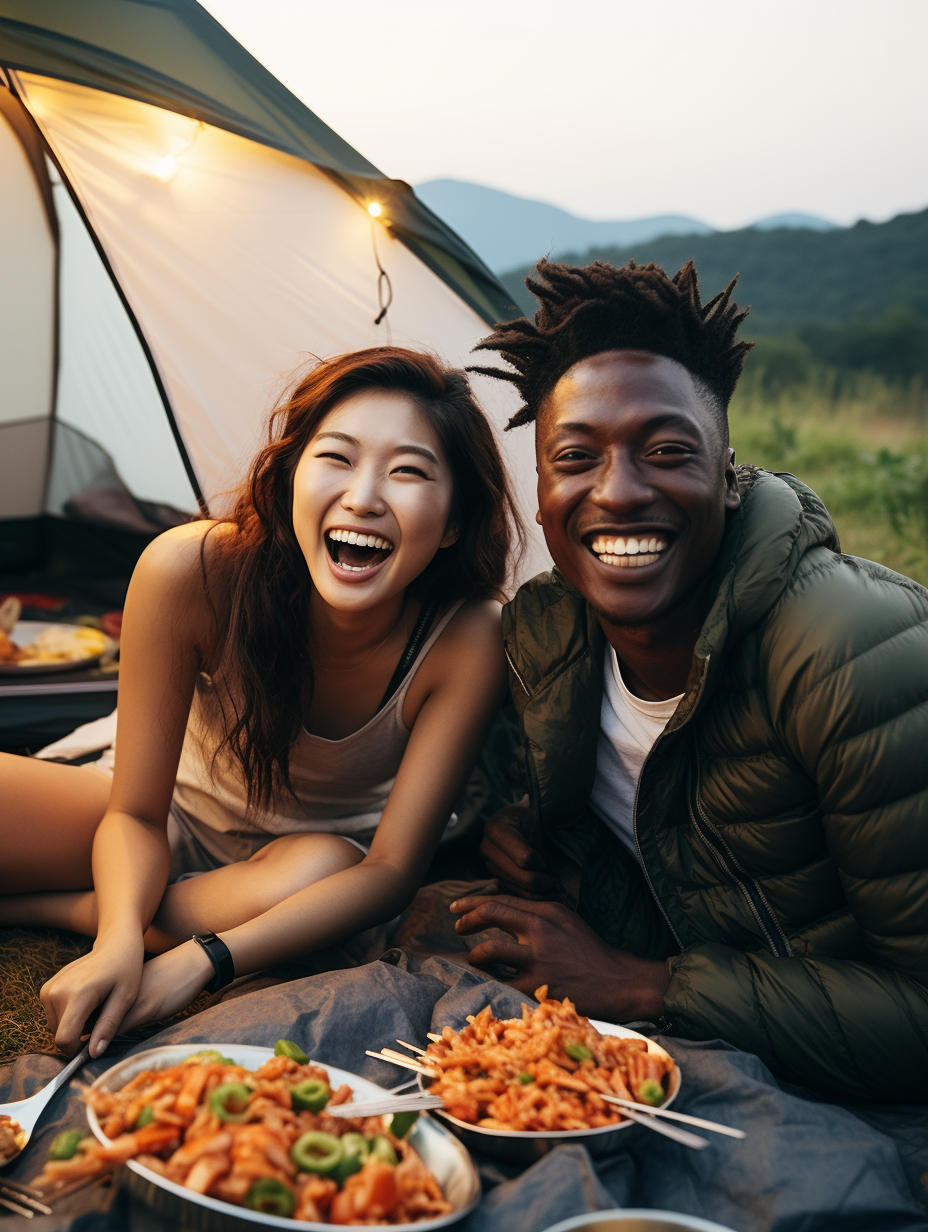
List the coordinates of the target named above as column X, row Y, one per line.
column 792, row 278
column 507, row 231
column 803, row 222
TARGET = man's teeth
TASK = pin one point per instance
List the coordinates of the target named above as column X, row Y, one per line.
column 618, row 549
column 360, row 541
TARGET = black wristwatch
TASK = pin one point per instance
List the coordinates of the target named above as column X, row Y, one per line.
column 219, row 955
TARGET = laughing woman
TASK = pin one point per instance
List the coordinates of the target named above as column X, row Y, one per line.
column 304, row 687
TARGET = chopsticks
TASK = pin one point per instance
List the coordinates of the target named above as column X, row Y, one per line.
column 417, row 1102
column 699, row 1122
column 22, row 1200
column 404, row 1062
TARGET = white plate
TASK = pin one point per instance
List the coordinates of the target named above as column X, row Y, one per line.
column 539, row 1141
column 439, row 1150
column 26, row 631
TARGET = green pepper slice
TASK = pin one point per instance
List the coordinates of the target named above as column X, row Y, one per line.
column 401, row 1123
column 382, row 1148
column 355, row 1152
column 311, row 1095
column 317, row 1152
column 271, row 1198
column 287, row 1048
column 651, row 1092
column 65, row 1144
column 146, row 1116
column 230, row 1101
column 578, row 1052
column 525, row 1077
column 208, row 1056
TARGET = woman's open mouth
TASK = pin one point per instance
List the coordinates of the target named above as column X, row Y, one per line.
column 627, row 551
column 357, row 553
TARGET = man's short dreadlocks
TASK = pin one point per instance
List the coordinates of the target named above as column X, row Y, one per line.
column 601, row 308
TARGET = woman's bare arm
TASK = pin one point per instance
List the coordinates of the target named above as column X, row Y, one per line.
column 165, row 624
column 454, row 697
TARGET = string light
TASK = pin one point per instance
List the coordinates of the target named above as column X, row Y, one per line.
column 375, row 209
column 166, row 168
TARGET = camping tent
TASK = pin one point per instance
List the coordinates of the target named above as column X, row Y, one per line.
column 179, row 235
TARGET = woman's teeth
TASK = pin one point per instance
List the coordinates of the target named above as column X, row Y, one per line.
column 628, row 553
column 360, row 541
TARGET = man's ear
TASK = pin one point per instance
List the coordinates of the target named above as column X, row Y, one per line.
column 538, row 516
column 732, row 493
column 450, row 536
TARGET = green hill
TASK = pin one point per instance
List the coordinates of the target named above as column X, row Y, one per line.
column 853, row 297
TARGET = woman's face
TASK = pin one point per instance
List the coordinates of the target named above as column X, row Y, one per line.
column 371, row 499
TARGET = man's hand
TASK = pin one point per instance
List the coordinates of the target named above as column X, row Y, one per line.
column 511, row 857
column 554, row 946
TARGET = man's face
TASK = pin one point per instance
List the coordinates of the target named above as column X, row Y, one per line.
column 633, row 483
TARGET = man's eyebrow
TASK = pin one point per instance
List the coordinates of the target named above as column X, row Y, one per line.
column 406, row 447
column 668, row 420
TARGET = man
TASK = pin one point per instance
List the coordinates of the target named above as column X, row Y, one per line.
column 724, row 720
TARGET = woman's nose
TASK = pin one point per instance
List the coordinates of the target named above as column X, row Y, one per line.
column 363, row 495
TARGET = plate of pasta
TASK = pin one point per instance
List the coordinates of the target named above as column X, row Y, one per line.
column 519, row 1086
column 230, row 1136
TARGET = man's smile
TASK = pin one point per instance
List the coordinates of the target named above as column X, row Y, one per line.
column 629, row 551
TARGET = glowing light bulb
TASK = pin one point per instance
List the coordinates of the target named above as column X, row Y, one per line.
column 374, row 209
column 166, row 168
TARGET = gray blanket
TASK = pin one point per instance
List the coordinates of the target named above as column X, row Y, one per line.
column 804, row 1166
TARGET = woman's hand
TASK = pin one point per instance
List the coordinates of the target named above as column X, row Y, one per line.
column 170, row 981
column 107, row 979
column 552, row 945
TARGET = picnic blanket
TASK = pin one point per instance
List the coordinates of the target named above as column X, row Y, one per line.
column 805, row 1165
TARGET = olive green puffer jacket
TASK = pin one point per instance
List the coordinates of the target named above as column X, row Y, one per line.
column 782, row 817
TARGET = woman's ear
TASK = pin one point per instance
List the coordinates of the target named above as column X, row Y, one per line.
column 451, row 536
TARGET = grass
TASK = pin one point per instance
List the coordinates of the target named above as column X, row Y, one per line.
column 860, row 442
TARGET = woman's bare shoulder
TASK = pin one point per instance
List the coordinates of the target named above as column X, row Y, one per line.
column 473, row 635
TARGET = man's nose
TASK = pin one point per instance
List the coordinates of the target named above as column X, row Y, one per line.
column 363, row 494
column 621, row 486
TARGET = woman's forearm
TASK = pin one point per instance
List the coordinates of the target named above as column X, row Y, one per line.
column 131, row 862
column 326, row 912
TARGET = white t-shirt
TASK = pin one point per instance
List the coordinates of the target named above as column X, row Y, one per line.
column 628, row 727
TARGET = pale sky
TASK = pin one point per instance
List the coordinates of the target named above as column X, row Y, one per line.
column 724, row 110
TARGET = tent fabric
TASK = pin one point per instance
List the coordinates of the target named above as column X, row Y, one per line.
column 173, row 54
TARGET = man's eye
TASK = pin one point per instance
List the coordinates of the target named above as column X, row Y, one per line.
column 670, row 450
column 573, row 455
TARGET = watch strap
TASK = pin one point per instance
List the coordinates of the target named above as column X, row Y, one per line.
column 220, row 956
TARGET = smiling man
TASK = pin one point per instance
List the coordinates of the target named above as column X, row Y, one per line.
column 724, row 719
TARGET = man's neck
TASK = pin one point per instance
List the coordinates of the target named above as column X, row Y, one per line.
column 655, row 658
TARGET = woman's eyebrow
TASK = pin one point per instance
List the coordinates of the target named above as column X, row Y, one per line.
column 417, row 449
column 338, row 436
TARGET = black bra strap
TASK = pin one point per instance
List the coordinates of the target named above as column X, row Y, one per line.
column 408, row 657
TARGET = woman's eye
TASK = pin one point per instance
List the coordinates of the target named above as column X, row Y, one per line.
column 410, row 470
column 335, row 457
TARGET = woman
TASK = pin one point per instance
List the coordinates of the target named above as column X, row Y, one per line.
column 304, row 687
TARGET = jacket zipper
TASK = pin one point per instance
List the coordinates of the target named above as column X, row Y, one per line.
column 644, row 867
column 515, row 671
column 754, row 896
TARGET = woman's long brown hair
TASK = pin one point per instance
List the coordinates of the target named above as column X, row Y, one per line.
column 262, row 634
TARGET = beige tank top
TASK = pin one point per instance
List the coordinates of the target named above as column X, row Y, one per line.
column 339, row 786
